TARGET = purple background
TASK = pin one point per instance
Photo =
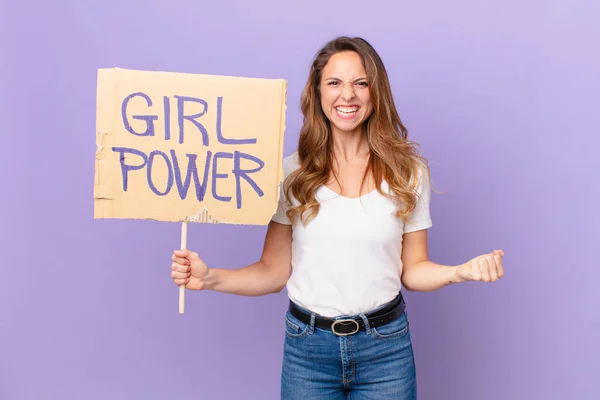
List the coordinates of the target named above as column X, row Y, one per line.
column 502, row 97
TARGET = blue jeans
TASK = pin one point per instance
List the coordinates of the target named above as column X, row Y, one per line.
column 373, row 364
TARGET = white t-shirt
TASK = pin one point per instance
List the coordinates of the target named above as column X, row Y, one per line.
column 347, row 260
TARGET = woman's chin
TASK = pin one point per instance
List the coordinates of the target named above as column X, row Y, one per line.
column 346, row 126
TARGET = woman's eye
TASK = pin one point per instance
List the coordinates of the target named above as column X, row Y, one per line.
column 364, row 84
column 333, row 83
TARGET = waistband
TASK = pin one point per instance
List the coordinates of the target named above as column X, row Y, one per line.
column 349, row 326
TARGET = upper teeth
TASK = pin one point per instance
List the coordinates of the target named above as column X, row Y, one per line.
column 347, row 109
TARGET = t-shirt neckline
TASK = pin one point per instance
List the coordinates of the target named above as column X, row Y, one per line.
column 339, row 195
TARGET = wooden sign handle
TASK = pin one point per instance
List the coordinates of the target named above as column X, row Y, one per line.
column 182, row 287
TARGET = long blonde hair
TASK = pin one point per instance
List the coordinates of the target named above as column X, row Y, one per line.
column 393, row 157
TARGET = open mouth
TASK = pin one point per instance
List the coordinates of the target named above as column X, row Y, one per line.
column 346, row 111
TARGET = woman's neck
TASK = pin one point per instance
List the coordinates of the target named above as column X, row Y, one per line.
column 350, row 146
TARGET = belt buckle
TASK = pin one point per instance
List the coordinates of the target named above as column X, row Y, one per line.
column 341, row 321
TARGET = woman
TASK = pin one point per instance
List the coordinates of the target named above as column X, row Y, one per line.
column 349, row 232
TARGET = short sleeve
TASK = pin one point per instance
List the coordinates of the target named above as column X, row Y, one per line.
column 290, row 163
column 282, row 208
column 420, row 218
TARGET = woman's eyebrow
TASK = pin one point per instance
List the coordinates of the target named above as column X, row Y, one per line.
column 338, row 79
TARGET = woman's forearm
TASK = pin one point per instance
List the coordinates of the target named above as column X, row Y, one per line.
column 257, row 279
column 427, row 276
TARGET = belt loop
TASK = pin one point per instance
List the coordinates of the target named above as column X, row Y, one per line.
column 366, row 321
column 311, row 329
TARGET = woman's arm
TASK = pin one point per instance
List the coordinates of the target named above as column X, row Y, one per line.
column 268, row 275
column 421, row 274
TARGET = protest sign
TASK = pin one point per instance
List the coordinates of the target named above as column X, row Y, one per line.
column 182, row 147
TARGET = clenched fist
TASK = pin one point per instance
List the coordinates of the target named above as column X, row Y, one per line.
column 486, row 268
column 188, row 269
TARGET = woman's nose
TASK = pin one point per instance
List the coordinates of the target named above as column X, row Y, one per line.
column 347, row 92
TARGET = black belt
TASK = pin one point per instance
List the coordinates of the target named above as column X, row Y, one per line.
column 345, row 327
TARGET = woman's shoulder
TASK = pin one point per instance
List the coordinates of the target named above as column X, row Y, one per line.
column 290, row 163
column 420, row 173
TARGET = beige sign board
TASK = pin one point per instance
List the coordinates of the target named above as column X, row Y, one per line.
column 188, row 147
